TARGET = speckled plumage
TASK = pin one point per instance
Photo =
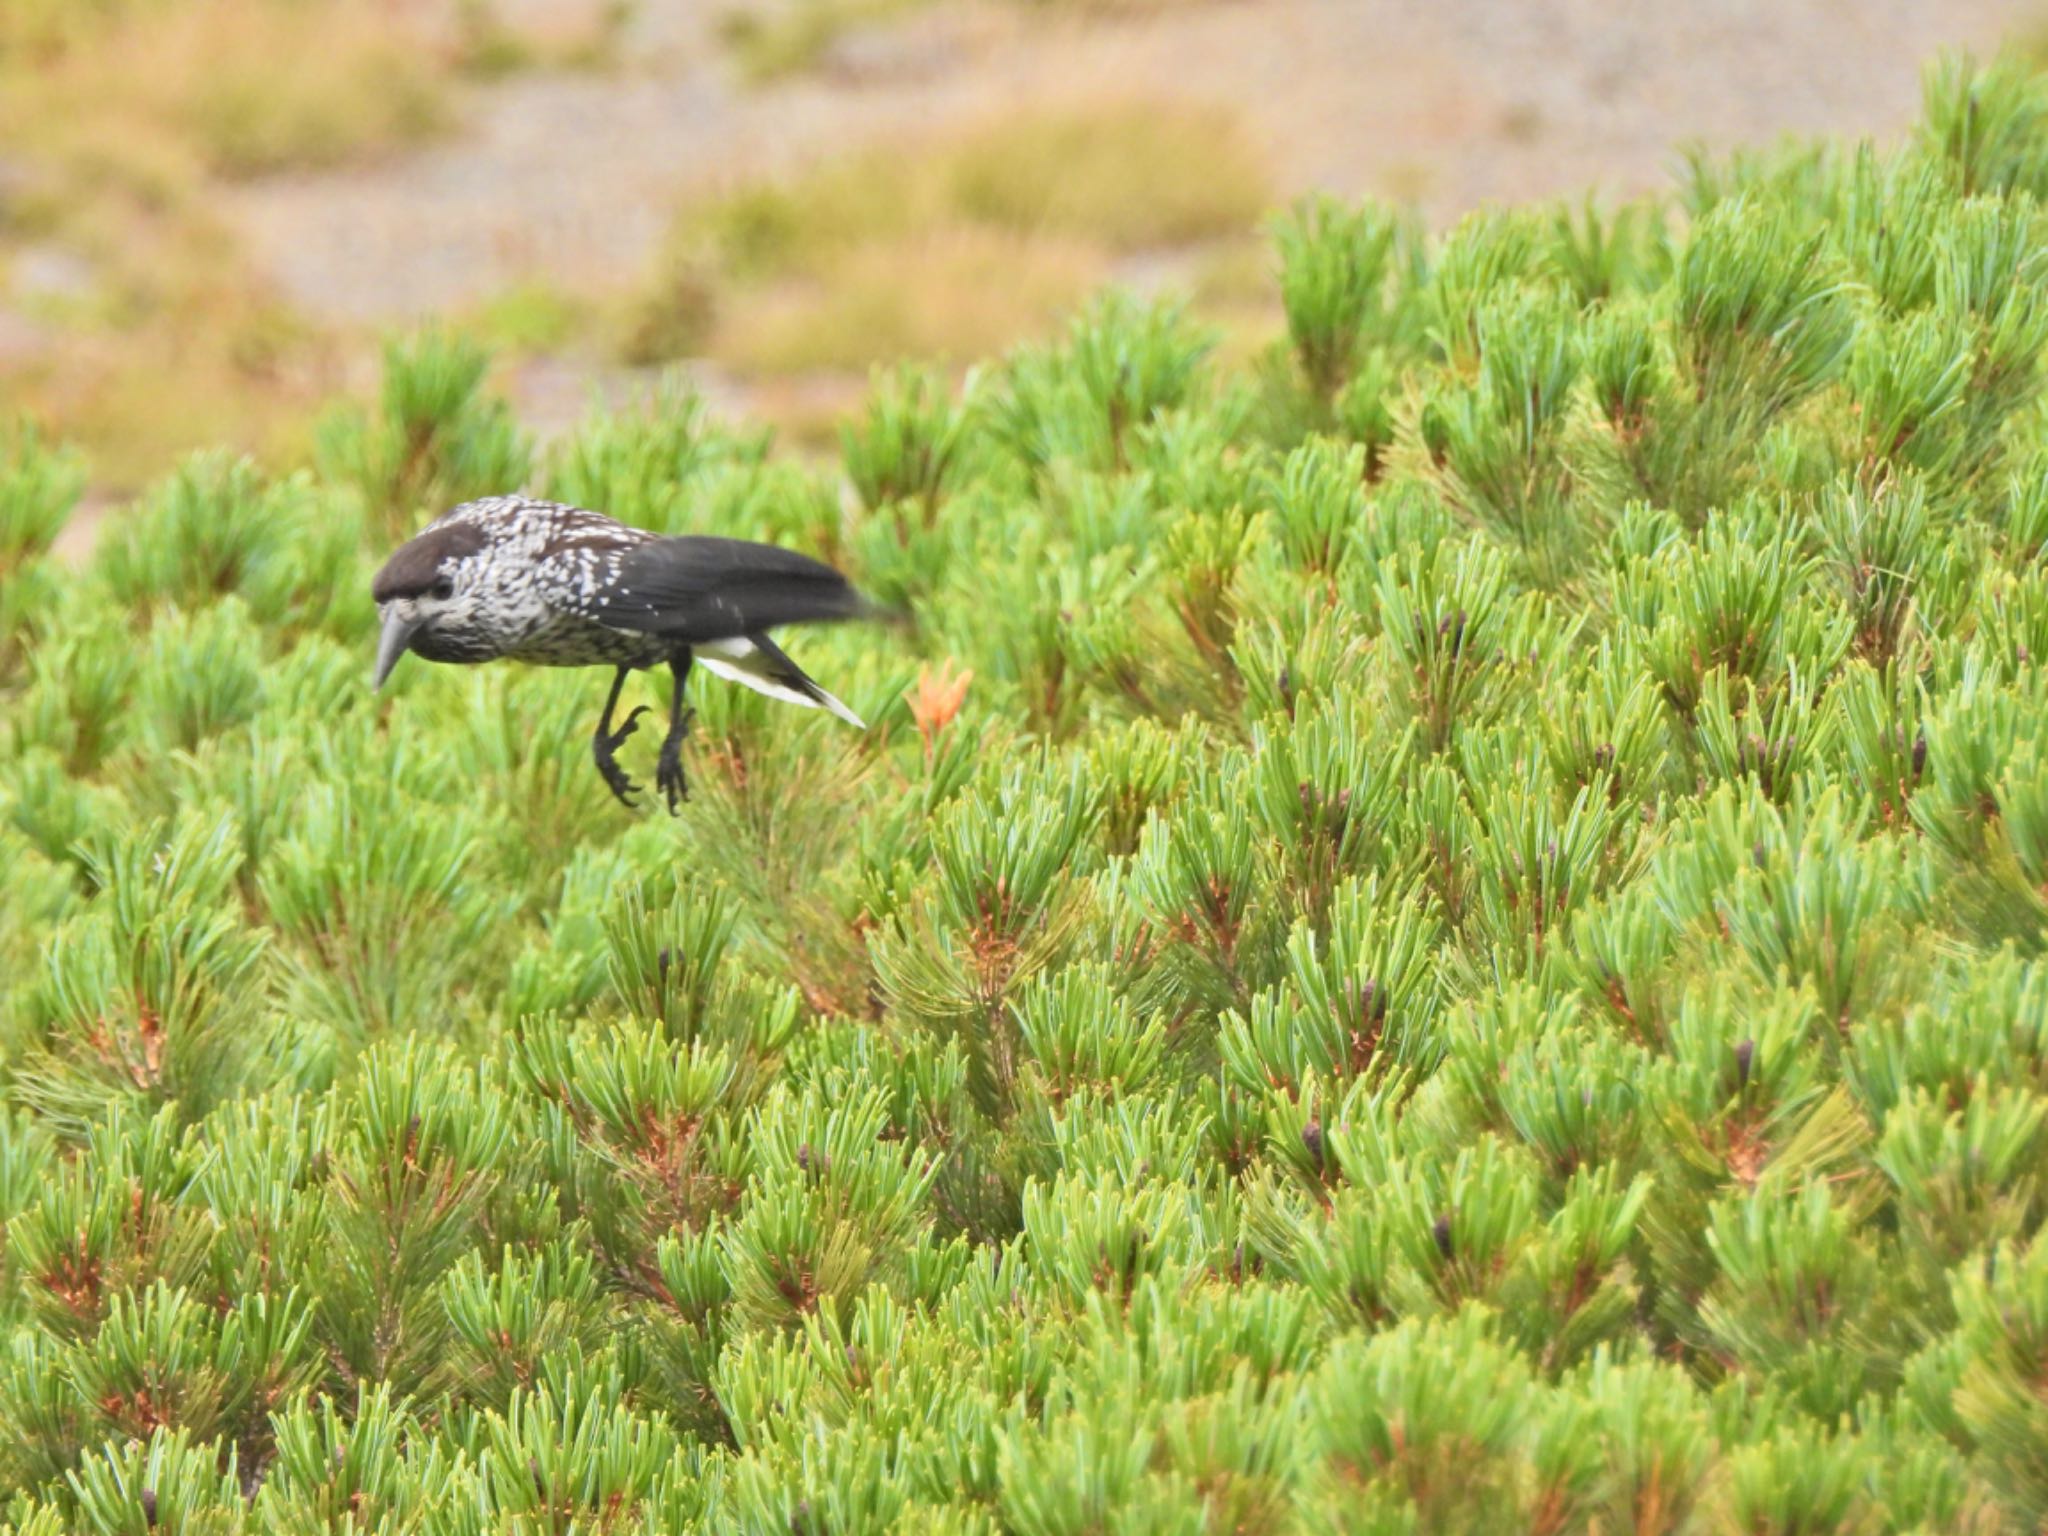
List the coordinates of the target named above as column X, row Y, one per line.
column 518, row 579
column 527, row 590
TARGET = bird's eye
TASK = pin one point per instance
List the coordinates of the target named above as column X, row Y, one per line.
column 444, row 589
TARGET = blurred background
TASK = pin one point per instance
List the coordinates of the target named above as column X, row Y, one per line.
column 212, row 212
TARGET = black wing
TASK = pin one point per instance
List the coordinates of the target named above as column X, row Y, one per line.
column 693, row 589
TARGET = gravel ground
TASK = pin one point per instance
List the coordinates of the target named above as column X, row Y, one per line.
column 1451, row 105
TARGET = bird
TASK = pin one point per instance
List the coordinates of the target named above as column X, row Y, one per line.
column 542, row 582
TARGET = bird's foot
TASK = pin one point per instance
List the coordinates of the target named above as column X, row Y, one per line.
column 602, row 749
column 668, row 771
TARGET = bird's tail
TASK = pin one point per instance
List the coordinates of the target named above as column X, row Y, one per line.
column 759, row 663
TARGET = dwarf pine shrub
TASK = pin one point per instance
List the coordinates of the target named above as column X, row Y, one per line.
column 1447, row 931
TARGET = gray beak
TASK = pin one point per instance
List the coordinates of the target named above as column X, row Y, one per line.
column 391, row 645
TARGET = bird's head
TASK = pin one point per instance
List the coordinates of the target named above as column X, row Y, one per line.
column 428, row 597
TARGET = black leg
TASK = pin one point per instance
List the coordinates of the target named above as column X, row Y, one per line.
column 668, row 772
column 607, row 740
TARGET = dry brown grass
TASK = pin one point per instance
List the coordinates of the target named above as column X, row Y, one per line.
column 135, row 410
column 949, row 293
column 235, row 87
column 951, row 247
column 1124, row 175
column 1128, row 174
column 181, row 349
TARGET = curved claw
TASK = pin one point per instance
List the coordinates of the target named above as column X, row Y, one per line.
column 668, row 778
column 626, row 727
column 668, row 769
column 616, row 778
column 620, row 784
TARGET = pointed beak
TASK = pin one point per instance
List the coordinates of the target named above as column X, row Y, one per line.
column 391, row 644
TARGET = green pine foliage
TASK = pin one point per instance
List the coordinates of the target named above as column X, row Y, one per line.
column 1446, row 932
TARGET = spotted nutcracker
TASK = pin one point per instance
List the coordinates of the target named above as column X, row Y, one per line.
column 511, row 578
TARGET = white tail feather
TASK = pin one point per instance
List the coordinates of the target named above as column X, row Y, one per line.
column 739, row 661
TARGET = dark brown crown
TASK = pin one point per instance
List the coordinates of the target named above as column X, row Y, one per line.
column 415, row 566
